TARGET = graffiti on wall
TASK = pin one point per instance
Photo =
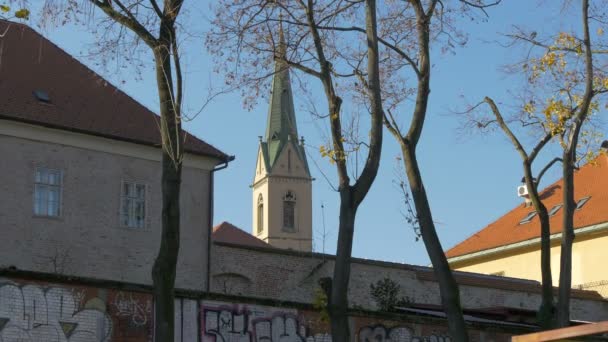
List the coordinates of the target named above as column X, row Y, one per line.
column 136, row 310
column 32, row 313
column 35, row 312
column 231, row 324
column 222, row 322
column 380, row 333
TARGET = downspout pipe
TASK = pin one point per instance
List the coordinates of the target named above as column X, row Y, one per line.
column 210, row 215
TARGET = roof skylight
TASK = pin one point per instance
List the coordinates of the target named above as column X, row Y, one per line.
column 42, row 96
column 582, row 202
column 528, row 217
column 555, row 209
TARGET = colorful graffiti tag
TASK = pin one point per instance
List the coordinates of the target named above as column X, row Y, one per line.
column 239, row 323
column 34, row 313
column 255, row 323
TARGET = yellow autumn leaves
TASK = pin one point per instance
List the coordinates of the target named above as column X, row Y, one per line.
column 334, row 156
column 556, row 116
column 22, row 13
column 559, row 66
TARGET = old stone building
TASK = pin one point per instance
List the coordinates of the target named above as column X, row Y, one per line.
column 81, row 167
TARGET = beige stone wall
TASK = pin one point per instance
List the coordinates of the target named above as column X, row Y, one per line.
column 273, row 188
column 88, row 240
column 588, row 252
column 294, row 277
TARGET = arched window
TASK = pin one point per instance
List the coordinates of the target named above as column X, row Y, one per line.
column 289, row 212
column 260, row 214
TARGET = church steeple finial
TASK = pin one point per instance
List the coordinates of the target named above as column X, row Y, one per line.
column 282, row 47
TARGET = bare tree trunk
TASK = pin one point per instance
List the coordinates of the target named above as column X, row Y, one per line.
column 164, row 270
column 167, row 60
column 546, row 311
column 338, row 308
column 565, row 269
column 448, row 288
column 352, row 196
column 569, row 160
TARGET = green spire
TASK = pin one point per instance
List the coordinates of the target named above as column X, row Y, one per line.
column 281, row 126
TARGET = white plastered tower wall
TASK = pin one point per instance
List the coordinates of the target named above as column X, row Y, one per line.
column 288, row 176
column 260, row 198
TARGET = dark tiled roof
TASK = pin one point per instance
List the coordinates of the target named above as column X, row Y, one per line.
column 228, row 233
column 589, row 180
column 80, row 100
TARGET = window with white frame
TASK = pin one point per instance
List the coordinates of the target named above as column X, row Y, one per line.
column 47, row 192
column 133, row 205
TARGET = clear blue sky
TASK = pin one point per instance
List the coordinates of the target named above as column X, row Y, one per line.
column 471, row 180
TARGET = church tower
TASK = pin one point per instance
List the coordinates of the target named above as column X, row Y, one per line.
column 282, row 185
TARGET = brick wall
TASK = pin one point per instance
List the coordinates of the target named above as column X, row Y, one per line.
column 292, row 276
column 84, row 310
column 54, row 312
column 222, row 321
column 87, row 240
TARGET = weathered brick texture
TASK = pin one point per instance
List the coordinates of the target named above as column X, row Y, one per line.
column 40, row 311
column 87, row 240
column 291, row 276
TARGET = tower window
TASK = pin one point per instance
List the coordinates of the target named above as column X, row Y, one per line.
column 289, row 212
column 260, row 214
column 289, row 160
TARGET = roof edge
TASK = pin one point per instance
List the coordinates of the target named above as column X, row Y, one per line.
column 526, row 243
column 222, row 157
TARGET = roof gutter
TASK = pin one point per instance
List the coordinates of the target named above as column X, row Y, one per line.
column 527, row 243
column 227, row 160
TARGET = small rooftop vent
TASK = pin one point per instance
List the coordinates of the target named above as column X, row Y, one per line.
column 42, row 96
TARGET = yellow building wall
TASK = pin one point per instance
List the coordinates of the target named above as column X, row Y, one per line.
column 589, row 254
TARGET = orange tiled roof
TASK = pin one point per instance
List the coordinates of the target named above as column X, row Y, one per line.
column 227, row 232
column 589, row 180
